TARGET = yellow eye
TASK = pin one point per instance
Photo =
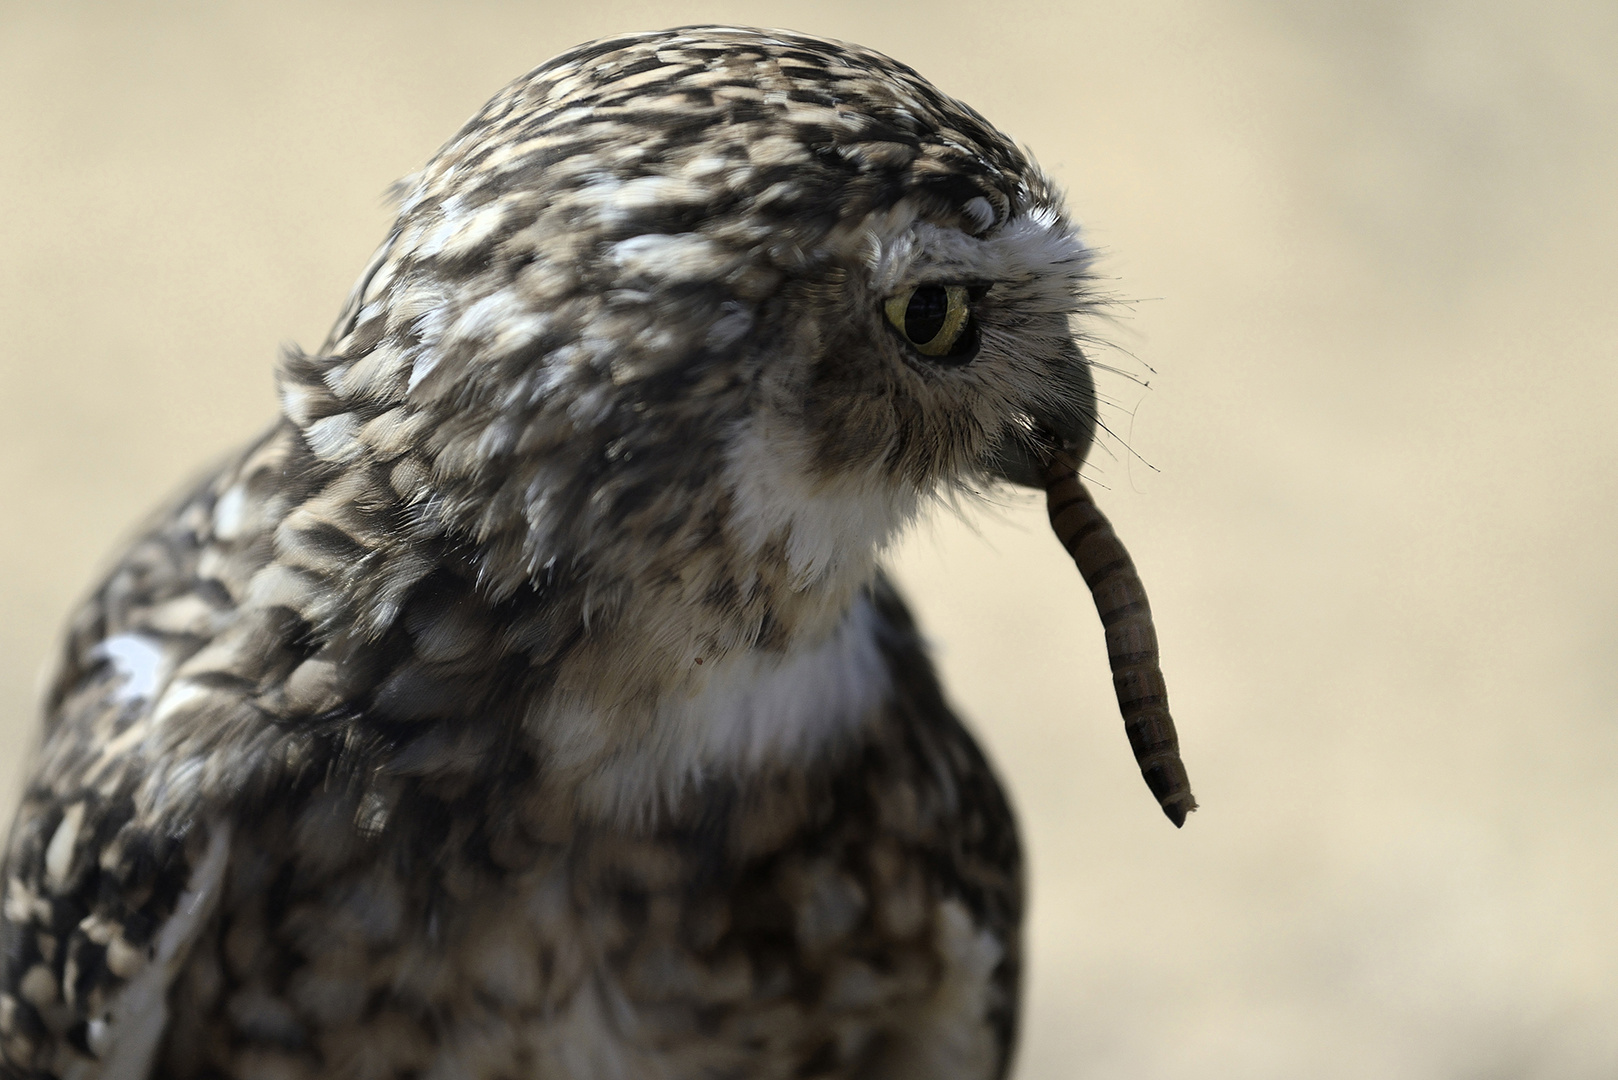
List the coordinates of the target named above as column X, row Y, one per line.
column 936, row 319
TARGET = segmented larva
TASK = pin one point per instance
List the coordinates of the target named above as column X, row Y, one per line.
column 1120, row 598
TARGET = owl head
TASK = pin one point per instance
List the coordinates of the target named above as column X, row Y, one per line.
column 705, row 315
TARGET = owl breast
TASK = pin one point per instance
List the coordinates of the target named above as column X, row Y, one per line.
column 858, row 915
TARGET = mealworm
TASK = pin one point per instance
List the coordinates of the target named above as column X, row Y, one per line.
column 1120, row 598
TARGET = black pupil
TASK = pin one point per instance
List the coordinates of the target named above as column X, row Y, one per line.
column 925, row 314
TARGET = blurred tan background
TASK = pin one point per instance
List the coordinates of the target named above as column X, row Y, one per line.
column 1372, row 249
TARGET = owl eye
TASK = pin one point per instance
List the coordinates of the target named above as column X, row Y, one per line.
column 937, row 320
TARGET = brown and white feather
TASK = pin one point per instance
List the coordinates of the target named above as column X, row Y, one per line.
column 529, row 701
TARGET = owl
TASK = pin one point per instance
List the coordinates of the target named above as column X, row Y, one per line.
column 529, row 701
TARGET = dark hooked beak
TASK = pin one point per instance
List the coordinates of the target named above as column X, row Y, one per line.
column 1065, row 421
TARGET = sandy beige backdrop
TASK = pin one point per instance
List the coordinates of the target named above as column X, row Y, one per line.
column 1370, row 486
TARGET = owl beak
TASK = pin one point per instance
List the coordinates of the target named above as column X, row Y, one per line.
column 1021, row 459
column 1065, row 422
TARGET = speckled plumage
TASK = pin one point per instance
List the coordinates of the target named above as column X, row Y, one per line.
column 529, row 701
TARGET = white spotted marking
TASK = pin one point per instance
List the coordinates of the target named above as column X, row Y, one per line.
column 59, row 852
column 620, row 200
column 671, row 258
column 451, row 219
column 332, row 438
column 228, row 513
column 182, row 695
column 462, row 233
column 487, row 317
column 98, row 1036
column 139, row 662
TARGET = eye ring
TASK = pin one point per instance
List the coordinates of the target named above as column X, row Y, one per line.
column 936, row 320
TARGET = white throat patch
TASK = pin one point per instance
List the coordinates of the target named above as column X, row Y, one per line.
column 757, row 707
column 752, row 710
column 834, row 531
